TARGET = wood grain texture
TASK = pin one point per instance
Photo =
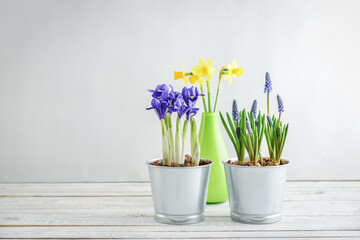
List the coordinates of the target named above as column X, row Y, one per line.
column 312, row 210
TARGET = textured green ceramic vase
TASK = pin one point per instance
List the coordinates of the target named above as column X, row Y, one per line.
column 212, row 147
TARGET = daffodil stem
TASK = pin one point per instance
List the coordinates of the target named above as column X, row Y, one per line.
column 208, row 91
column 203, row 97
column 217, row 93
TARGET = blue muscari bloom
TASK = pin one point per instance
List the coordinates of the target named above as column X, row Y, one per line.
column 238, row 132
column 248, row 127
column 268, row 85
column 280, row 104
column 269, row 121
column 235, row 111
column 160, row 107
column 253, row 110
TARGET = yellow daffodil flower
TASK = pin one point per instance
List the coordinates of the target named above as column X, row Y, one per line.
column 196, row 78
column 233, row 71
column 204, row 69
column 181, row 75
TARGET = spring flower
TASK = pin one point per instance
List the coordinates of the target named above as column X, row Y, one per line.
column 269, row 121
column 196, row 79
column 268, row 85
column 253, row 109
column 204, row 69
column 181, row 75
column 233, row 71
column 175, row 104
column 280, row 104
column 160, row 107
column 162, row 92
column 248, row 127
column 183, row 110
column 190, row 95
column 238, row 132
column 235, row 111
column 192, row 112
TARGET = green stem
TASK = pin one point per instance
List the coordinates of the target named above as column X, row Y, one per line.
column 217, row 92
column 194, row 141
column 268, row 104
column 184, row 133
column 208, row 91
column 203, row 97
column 165, row 143
column 170, row 139
column 178, row 159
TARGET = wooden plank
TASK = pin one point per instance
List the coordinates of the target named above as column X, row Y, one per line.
column 312, row 210
column 143, row 189
column 144, row 205
column 94, row 211
column 164, row 233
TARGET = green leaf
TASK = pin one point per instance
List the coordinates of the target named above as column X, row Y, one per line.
column 228, row 131
column 231, row 124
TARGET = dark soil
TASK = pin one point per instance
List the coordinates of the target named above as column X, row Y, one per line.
column 188, row 163
column 265, row 162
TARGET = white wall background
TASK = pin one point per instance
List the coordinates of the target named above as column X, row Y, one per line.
column 74, row 74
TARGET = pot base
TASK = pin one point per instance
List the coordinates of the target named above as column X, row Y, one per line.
column 179, row 219
column 255, row 218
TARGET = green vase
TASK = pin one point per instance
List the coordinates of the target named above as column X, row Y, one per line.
column 212, row 147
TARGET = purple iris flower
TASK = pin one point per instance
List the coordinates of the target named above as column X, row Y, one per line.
column 192, row 112
column 174, row 105
column 268, row 85
column 162, row 92
column 190, row 95
column 183, row 110
column 280, row 104
column 160, row 107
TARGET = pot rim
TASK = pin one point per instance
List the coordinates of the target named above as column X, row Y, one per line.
column 163, row 167
column 263, row 167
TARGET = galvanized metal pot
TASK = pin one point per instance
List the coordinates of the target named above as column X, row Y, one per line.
column 179, row 193
column 255, row 193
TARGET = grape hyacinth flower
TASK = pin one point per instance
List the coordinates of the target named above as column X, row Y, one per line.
column 238, row 132
column 267, row 89
column 235, row 111
column 269, row 121
column 280, row 104
column 248, row 127
column 276, row 133
column 253, row 110
column 268, row 84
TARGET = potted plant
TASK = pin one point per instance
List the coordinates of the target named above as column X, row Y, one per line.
column 178, row 183
column 256, row 184
column 211, row 140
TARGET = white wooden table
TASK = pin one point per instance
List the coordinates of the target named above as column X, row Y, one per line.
column 312, row 210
